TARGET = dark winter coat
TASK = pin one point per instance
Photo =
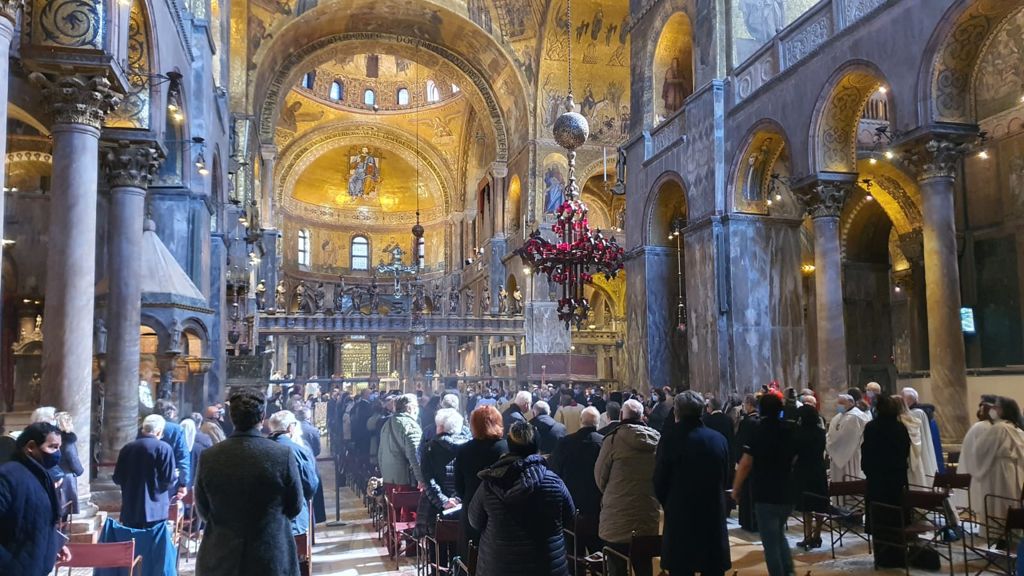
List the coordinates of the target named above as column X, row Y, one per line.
column 810, row 475
column 202, row 442
column 574, row 460
column 690, row 475
column 471, row 458
column 145, row 471
column 660, row 415
column 884, row 454
column 28, row 519
column 520, row 509
column 71, row 464
column 549, row 432
column 511, row 415
column 307, row 474
column 248, row 490
column 311, row 436
column 438, row 466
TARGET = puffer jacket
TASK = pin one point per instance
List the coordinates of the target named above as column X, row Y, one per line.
column 398, row 455
column 520, row 509
column 438, row 466
column 623, row 474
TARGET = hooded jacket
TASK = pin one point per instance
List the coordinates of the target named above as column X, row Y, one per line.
column 623, row 475
column 438, row 466
column 520, row 510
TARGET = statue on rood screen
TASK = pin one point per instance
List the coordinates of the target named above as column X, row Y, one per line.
column 486, row 303
column 261, row 292
column 502, row 300
column 453, row 300
column 281, row 297
column 373, row 295
column 435, row 298
column 470, row 310
column 319, row 295
column 517, row 302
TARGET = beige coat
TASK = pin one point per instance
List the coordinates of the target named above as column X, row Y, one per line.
column 624, row 475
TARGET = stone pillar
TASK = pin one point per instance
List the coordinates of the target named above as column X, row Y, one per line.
column 129, row 168
column 8, row 16
column 912, row 245
column 824, row 202
column 79, row 103
column 935, row 164
column 374, row 377
column 269, row 155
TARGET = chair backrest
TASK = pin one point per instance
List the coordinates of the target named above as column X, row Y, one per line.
column 303, row 546
column 951, row 481
column 924, row 500
column 404, row 500
column 1015, row 519
column 446, row 531
column 106, row 555
column 848, row 488
column 643, row 550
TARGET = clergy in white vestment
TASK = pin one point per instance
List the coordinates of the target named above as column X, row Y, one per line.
column 998, row 460
column 915, row 470
column 842, row 443
column 969, row 450
column 929, row 464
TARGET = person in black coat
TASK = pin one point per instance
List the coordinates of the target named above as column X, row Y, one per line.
column 483, row 450
column 438, row 466
column 517, row 410
column 520, row 510
column 145, row 471
column 574, row 460
column 690, row 478
column 549, row 432
column 810, row 475
column 661, row 413
column 311, row 438
column 884, row 455
column 745, row 430
column 717, row 420
column 29, row 542
column 248, row 490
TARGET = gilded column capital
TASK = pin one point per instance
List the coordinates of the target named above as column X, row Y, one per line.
column 9, row 9
column 937, row 157
column 912, row 246
column 130, row 164
column 824, row 199
column 77, row 98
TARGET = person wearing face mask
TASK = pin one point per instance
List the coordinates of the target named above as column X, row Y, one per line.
column 842, row 443
column 29, row 542
column 285, row 429
column 145, row 471
column 999, row 459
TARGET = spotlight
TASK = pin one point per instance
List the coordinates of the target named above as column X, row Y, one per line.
column 983, row 154
column 889, row 155
column 872, row 161
column 882, row 89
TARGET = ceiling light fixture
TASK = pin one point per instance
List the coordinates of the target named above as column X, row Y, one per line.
column 867, row 189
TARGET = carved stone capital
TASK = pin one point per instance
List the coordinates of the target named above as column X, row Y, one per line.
column 129, row 164
column 912, row 246
column 824, row 199
column 9, row 9
column 499, row 169
column 77, row 98
column 937, row 157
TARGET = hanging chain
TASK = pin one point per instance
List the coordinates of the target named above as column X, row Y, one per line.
column 568, row 39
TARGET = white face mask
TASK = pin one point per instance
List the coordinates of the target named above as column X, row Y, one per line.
column 993, row 414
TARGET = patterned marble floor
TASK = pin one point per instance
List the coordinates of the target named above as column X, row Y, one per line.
column 353, row 550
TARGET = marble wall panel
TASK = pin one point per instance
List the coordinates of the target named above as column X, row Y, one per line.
column 702, row 328
column 666, row 348
column 635, row 351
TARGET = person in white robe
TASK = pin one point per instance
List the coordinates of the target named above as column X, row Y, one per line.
column 842, row 442
column 998, row 460
column 929, row 465
column 969, row 451
column 915, row 469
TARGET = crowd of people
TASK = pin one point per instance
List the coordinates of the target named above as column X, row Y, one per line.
column 515, row 470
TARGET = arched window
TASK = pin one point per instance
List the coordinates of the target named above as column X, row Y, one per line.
column 360, row 253
column 421, row 252
column 433, row 95
column 403, row 97
column 337, row 91
column 304, row 252
column 369, row 98
column 307, row 80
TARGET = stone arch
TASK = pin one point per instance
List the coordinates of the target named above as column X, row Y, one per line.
column 664, row 12
column 864, row 228
column 837, row 114
column 765, row 145
column 895, row 192
column 946, row 77
column 673, row 67
column 431, row 28
column 666, row 200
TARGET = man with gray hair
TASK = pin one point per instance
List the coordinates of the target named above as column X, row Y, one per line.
column 284, row 429
column 549, row 431
column 931, row 463
column 690, row 478
column 145, row 470
column 623, row 474
column 516, row 412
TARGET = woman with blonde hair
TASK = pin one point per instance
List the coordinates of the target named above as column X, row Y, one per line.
column 70, row 463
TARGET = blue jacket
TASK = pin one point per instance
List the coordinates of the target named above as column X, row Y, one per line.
column 145, row 472
column 308, row 477
column 174, row 437
column 154, row 544
column 28, row 519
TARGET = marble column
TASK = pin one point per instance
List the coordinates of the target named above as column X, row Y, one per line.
column 935, row 163
column 129, row 168
column 912, row 245
column 78, row 103
column 374, row 377
column 8, row 16
column 824, row 202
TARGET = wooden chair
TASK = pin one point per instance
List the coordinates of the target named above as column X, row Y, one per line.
column 642, row 552
column 584, row 530
column 191, row 529
column 467, row 565
column 439, row 546
column 1005, row 560
column 112, row 555
column 400, row 507
column 947, row 482
column 848, row 519
column 906, row 526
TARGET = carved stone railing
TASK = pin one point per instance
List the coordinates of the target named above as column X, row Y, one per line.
column 798, row 41
column 394, row 325
column 668, row 133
